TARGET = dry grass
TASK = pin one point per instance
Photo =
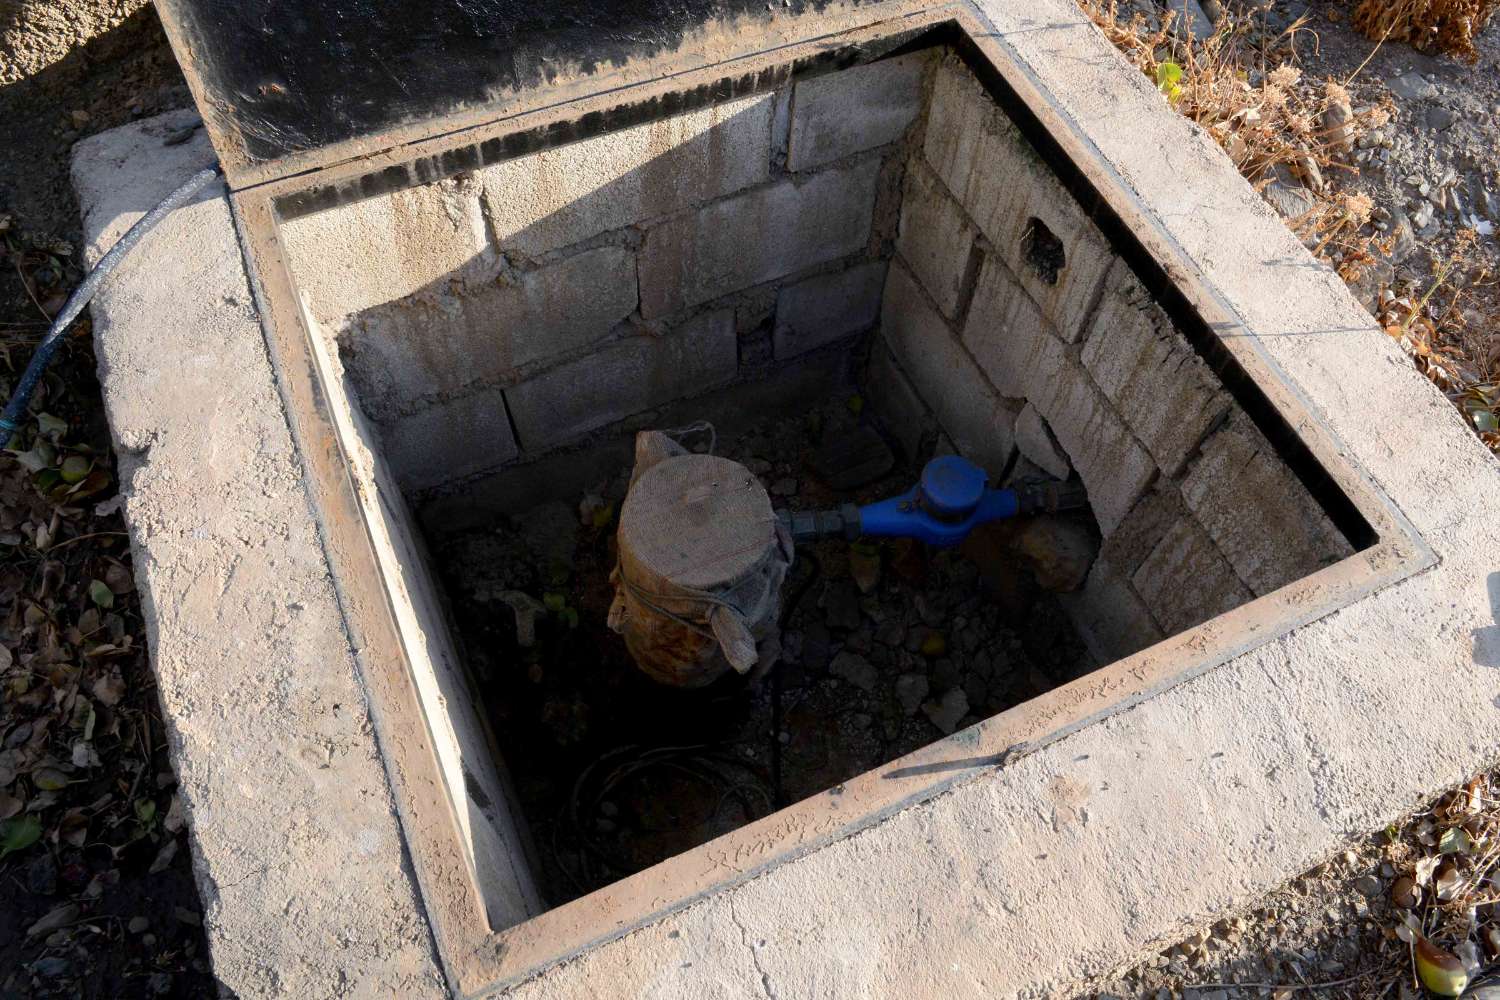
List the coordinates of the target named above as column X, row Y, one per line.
column 1453, row 336
column 1437, row 27
column 1244, row 88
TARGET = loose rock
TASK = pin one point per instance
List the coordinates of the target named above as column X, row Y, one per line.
column 946, row 713
column 1412, row 87
column 856, row 670
column 911, row 691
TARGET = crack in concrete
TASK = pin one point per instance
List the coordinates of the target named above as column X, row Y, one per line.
column 765, row 977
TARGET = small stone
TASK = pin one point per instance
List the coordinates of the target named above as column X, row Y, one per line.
column 1336, row 118
column 1290, row 199
column 1412, row 87
column 1406, row 240
column 1307, row 170
column 1406, row 894
column 911, row 691
column 1440, row 119
column 1369, row 886
column 892, row 633
column 1058, row 550
column 856, row 670
column 79, row 117
column 945, row 713
column 1192, row 17
column 1371, row 280
column 137, row 924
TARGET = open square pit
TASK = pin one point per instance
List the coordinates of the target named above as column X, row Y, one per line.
column 873, row 253
column 401, row 368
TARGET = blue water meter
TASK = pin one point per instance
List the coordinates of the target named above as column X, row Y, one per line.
column 951, row 499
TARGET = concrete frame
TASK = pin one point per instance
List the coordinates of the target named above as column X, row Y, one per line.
column 1039, row 787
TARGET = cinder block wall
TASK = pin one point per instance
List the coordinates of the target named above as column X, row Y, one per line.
column 1009, row 324
column 490, row 319
column 486, row 320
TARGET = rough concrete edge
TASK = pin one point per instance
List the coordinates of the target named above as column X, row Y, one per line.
column 100, row 234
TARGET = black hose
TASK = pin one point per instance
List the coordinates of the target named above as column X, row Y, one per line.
column 793, row 600
column 42, row 356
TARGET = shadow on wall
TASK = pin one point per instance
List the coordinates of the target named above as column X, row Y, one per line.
column 537, row 299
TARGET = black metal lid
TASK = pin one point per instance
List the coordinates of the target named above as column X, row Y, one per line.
column 280, row 78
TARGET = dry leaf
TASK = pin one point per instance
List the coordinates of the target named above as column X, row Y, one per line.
column 110, row 688
column 58, row 916
column 1440, row 971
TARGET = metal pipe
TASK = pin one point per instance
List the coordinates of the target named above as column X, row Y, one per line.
column 41, row 358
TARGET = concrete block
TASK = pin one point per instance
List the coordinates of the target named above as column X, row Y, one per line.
column 348, row 259
column 1035, row 225
column 1257, row 512
column 1110, row 616
column 449, row 441
column 890, row 393
column 1006, row 333
column 842, row 113
column 1141, row 530
column 937, row 240
column 402, row 353
column 1114, row 468
column 1036, row 442
column 1008, row 339
column 825, row 307
column 624, row 378
column 756, row 237
column 1146, row 367
column 968, row 408
column 558, row 197
column 1185, row 581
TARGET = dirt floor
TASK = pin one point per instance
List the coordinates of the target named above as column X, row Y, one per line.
column 100, row 901
column 885, row 648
